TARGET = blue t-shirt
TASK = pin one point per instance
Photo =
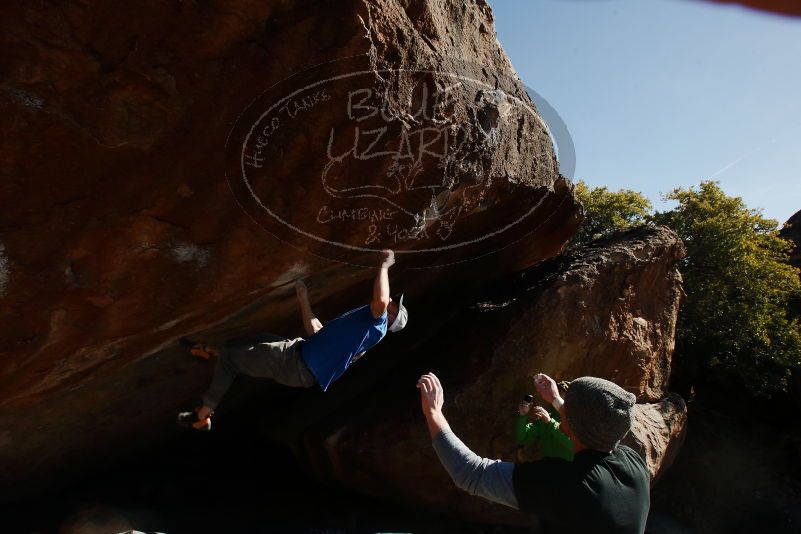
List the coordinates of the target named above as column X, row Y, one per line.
column 330, row 351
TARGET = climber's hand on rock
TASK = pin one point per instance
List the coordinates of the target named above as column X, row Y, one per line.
column 540, row 414
column 432, row 396
column 546, row 387
column 387, row 258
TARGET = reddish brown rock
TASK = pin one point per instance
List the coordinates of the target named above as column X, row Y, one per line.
column 126, row 222
column 607, row 310
column 782, row 7
column 658, row 432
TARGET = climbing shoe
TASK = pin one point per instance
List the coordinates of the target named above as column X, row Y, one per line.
column 191, row 420
column 202, row 351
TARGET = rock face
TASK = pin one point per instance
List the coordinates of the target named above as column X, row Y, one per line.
column 146, row 149
column 792, row 232
column 607, row 310
column 658, row 432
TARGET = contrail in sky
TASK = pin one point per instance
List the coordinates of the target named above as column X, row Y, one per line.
column 727, row 167
column 748, row 153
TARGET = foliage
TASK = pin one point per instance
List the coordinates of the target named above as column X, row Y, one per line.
column 738, row 283
column 606, row 210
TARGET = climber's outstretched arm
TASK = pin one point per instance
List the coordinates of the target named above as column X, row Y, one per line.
column 381, row 285
column 310, row 323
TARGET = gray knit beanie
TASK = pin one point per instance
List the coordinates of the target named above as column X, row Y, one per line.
column 599, row 412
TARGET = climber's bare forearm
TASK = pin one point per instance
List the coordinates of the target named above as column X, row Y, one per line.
column 380, row 301
column 311, row 324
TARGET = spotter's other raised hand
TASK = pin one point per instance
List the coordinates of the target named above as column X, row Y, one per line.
column 546, row 387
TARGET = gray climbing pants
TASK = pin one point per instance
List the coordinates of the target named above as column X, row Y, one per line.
column 279, row 360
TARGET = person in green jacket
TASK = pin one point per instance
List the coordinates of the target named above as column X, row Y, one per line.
column 544, row 430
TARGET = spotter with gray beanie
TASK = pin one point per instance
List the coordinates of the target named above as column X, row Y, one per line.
column 321, row 358
column 605, row 489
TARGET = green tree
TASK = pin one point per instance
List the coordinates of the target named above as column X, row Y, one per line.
column 606, row 210
column 735, row 319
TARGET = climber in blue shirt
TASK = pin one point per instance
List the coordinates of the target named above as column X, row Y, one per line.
column 320, row 359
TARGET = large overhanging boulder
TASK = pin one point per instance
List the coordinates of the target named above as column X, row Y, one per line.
column 606, row 310
column 148, row 191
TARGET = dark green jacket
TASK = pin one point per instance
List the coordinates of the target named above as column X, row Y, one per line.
column 595, row 493
column 553, row 442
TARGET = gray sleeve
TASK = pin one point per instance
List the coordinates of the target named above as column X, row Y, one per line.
column 491, row 479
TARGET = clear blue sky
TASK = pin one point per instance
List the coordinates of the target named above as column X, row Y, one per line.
column 660, row 94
